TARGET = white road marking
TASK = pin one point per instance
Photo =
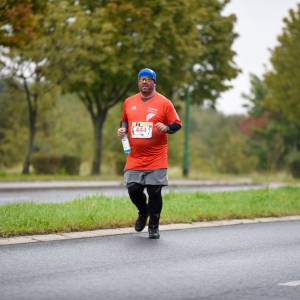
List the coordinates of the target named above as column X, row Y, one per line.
column 291, row 283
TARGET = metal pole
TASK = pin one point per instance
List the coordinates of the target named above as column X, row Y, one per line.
column 186, row 133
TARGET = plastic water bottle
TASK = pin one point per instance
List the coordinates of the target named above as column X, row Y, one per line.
column 126, row 145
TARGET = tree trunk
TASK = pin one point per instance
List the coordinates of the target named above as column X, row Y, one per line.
column 98, row 122
column 29, row 149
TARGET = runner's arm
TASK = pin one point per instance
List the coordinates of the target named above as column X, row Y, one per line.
column 172, row 128
column 124, row 124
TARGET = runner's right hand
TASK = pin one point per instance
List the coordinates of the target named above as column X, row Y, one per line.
column 121, row 132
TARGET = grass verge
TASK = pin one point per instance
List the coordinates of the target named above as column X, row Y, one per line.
column 100, row 212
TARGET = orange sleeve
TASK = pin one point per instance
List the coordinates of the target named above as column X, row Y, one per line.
column 124, row 115
column 172, row 116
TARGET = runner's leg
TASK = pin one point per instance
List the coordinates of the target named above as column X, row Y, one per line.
column 138, row 197
column 155, row 203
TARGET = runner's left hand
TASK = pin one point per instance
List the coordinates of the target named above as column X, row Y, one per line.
column 161, row 127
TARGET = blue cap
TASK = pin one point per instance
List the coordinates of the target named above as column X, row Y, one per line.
column 148, row 73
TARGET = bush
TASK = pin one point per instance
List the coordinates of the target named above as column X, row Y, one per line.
column 71, row 164
column 46, row 164
column 295, row 169
column 54, row 164
column 293, row 160
column 120, row 162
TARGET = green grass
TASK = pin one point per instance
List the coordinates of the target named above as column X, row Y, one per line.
column 99, row 212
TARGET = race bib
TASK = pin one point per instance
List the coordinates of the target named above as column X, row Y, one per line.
column 142, row 130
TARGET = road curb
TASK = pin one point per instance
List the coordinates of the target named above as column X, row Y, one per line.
column 102, row 184
column 11, row 186
column 130, row 230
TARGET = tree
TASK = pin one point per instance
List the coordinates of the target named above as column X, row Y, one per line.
column 13, row 124
column 26, row 77
column 95, row 48
column 258, row 93
column 2, row 87
column 33, row 69
column 121, row 37
column 273, row 137
column 230, row 154
column 255, row 126
column 283, row 80
column 18, row 20
column 214, row 67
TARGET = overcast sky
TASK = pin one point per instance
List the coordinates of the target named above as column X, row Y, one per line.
column 259, row 22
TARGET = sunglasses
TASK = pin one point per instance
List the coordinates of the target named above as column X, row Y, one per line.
column 148, row 79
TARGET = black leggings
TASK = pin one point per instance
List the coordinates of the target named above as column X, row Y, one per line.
column 139, row 198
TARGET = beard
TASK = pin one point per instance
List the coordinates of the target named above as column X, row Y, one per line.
column 146, row 89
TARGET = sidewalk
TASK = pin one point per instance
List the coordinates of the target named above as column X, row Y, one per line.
column 73, row 184
column 130, row 230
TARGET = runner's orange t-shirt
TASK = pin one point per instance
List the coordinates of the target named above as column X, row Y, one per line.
column 149, row 147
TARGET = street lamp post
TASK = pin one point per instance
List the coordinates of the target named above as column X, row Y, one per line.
column 186, row 133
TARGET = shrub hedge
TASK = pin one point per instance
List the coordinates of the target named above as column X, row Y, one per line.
column 55, row 164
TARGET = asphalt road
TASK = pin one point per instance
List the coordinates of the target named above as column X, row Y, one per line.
column 67, row 194
column 254, row 261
